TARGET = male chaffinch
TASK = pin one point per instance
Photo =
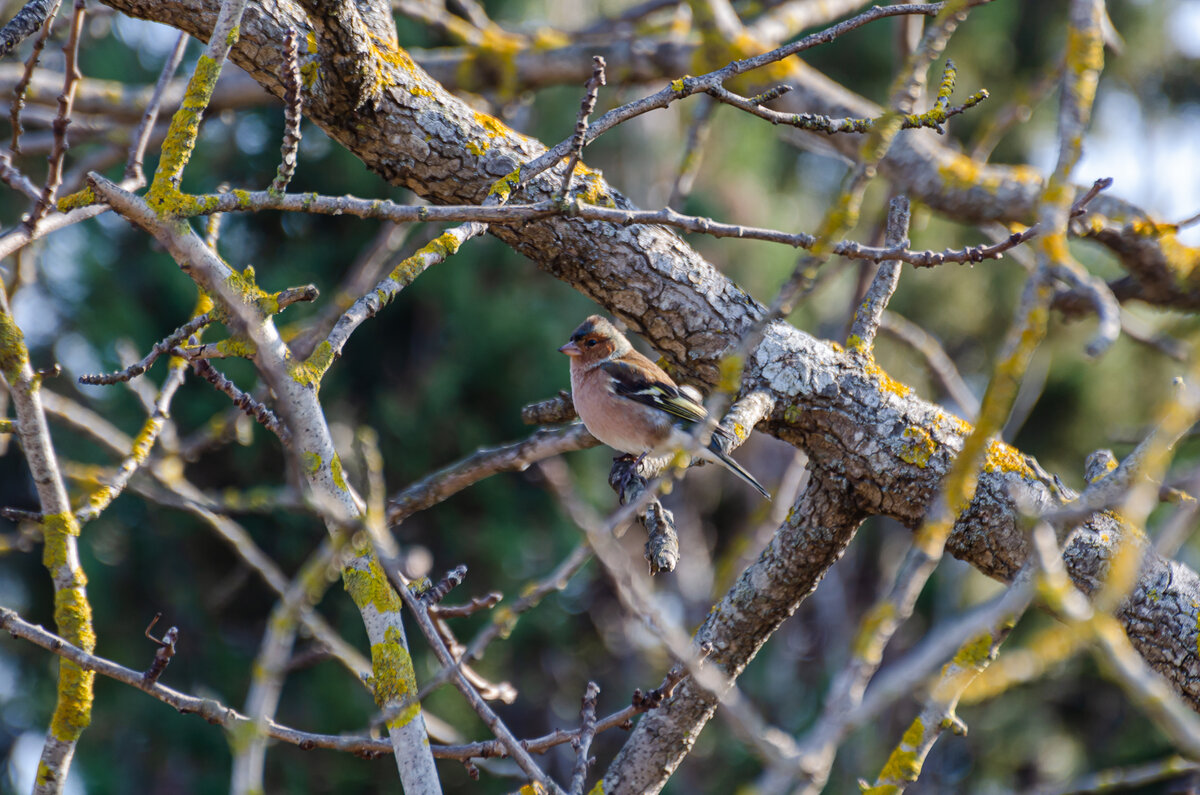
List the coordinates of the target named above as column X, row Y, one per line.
column 629, row 402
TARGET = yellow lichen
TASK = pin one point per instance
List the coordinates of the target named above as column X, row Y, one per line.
column 313, row 369
column 975, row 653
column 311, row 461
column 80, row 198
column 886, row 382
column 491, row 61
column 14, row 356
column 506, row 185
column 918, row 448
column 370, row 586
column 251, row 294
column 394, row 679
column 866, row 643
column 239, row 347
column 335, row 468
column 1003, row 458
column 492, row 127
column 904, row 764
column 73, row 711
column 164, row 196
column 592, row 188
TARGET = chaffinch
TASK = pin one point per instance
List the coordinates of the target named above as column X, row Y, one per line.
column 629, row 402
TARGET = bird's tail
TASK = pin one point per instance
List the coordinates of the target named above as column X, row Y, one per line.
column 716, row 454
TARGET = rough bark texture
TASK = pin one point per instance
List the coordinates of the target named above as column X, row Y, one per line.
column 875, row 447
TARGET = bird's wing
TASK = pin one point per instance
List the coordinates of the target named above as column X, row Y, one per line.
column 630, row 382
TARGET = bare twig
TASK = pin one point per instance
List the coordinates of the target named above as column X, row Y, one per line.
column 401, row 276
column 477, row 603
column 639, row 704
column 166, row 345
column 292, row 114
column 435, row 593
column 869, row 314
column 66, row 100
column 815, row 122
column 503, row 622
column 1126, row 779
column 13, row 178
column 242, row 400
column 483, row 463
column 23, row 84
column 514, row 748
column 210, row 709
column 581, row 122
column 587, row 730
column 250, row 201
column 554, row 411
column 688, row 86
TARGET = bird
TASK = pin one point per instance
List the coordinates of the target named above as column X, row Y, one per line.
column 631, row 404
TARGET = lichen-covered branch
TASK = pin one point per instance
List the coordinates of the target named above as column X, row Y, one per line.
column 60, row 529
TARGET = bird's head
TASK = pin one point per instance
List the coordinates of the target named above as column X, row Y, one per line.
column 596, row 340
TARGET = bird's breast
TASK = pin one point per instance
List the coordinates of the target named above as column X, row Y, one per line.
column 620, row 423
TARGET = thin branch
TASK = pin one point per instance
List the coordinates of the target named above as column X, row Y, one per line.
column 640, row 704
column 23, row 84
column 166, row 345
column 869, row 314
column 592, row 89
column 66, row 101
column 587, row 730
column 769, row 744
column 252, row 201
column 815, row 122
column 253, row 408
column 401, row 276
column 506, row 619
column 1127, row 779
column 687, row 86
column 139, row 451
column 292, row 114
column 211, row 710
column 433, row 595
column 15, row 179
column 554, row 411
column 178, row 493
column 141, row 138
column 483, row 463
column 477, row 603
column 376, row 259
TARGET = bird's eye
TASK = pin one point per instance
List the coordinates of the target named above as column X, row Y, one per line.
column 591, row 343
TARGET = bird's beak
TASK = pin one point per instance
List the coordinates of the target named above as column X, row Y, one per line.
column 571, row 349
